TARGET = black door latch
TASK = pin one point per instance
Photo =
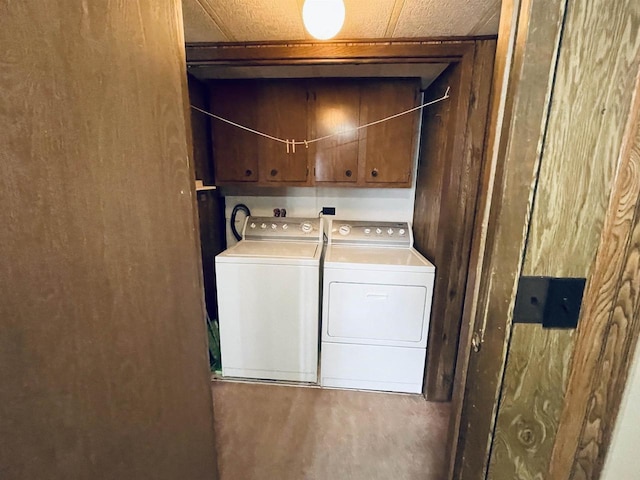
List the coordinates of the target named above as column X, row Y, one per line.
column 553, row 302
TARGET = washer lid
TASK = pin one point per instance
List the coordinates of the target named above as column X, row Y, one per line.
column 248, row 250
column 376, row 258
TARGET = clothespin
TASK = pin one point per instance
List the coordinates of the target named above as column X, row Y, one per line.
column 306, row 144
column 293, row 144
column 287, row 145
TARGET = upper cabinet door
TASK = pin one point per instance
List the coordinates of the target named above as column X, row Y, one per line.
column 388, row 148
column 235, row 151
column 282, row 110
column 334, row 108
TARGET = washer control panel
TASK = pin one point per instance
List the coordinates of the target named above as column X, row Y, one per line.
column 359, row 232
column 282, row 228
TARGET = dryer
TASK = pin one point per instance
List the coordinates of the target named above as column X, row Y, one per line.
column 268, row 300
column 376, row 304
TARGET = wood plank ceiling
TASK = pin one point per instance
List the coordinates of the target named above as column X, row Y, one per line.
column 278, row 20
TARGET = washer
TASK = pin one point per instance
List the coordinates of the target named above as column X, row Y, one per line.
column 268, row 300
column 376, row 304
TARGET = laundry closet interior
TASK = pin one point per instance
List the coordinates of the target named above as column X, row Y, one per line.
column 406, row 188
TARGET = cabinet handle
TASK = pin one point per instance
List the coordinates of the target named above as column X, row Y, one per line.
column 374, row 172
column 348, row 173
column 247, row 173
column 274, row 172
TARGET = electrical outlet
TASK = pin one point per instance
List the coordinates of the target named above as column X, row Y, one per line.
column 328, row 210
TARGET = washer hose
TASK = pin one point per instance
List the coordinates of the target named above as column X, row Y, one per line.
column 232, row 220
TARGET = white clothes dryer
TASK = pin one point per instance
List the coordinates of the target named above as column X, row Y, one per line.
column 376, row 304
column 268, row 300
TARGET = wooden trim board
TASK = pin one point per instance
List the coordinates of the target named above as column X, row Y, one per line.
column 449, row 169
column 419, row 51
column 525, row 62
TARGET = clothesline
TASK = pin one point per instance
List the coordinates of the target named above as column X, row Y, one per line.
column 291, row 143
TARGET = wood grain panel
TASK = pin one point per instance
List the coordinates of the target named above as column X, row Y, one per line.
column 235, row 151
column 282, row 112
column 210, row 206
column 527, row 51
column 460, row 190
column 336, row 108
column 201, row 131
column 434, row 51
column 102, row 339
column 591, row 97
column 502, row 67
column 530, row 406
column 610, row 319
column 446, row 193
column 387, row 149
column 212, row 242
column 586, row 124
column 436, row 143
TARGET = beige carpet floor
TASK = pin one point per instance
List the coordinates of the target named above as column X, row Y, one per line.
column 279, row 432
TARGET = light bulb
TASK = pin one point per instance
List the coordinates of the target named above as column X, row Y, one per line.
column 323, row 18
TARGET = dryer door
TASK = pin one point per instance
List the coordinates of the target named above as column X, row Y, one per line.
column 377, row 313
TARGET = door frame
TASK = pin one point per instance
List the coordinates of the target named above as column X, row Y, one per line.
column 610, row 313
column 521, row 98
column 466, row 53
column 439, row 50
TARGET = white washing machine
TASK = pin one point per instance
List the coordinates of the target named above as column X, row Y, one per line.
column 376, row 304
column 268, row 300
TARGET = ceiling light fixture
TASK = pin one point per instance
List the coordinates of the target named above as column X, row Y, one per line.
column 323, row 18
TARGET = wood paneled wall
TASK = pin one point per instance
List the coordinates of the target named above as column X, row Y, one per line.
column 201, row 131
column 103, row 363
column 593, row 86
column 210, row 203
column 610, row 319
column 450, row 162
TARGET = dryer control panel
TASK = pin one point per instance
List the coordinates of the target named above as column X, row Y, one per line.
column 362, row 232
column 283, row 228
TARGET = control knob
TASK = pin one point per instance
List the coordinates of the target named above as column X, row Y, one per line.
column 273, row 226
column 344, row 230
column 263, row 226
column 378, row 231
column 253, row 225
column 367, row 231
column 306, row 227
column 285, row 226
column 401, row 231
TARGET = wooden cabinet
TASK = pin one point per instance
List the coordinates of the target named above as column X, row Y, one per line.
column 378, row 156
column 335, row 107
column 387, row 150
column 282, row 113
column 235, row 151
column 278, row 108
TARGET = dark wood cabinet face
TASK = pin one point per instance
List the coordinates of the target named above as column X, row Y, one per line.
column 295, row 110
column 335, row 107
column 235, row 151
column 282, row 110
column 387, row 149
